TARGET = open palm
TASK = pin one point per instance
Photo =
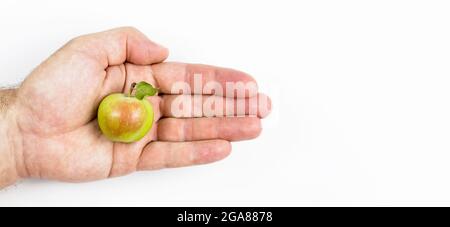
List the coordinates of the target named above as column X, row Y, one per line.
column 57, row 105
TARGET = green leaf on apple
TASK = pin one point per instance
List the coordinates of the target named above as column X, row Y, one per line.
column 144, row 89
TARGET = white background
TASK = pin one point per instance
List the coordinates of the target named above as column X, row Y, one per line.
column 360, row 90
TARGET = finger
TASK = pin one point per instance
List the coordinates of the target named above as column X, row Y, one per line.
column 192, row 129
column 188, row 106
column 158, row 155
column 203, row 79
column 119, row 78
column 116, row 46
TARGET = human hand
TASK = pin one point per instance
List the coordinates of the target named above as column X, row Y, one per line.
column 55, row 131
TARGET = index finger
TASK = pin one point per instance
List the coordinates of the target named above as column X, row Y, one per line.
column 182, row 78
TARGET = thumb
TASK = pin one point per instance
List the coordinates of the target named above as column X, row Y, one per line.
column 117, row 46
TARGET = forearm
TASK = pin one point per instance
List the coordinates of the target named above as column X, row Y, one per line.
column 8, row 172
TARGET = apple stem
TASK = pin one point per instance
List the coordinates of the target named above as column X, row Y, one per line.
column 133, row 85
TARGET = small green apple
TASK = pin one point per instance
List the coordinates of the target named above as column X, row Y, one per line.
column 127, row 118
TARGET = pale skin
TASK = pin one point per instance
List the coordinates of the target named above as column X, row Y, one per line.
column 48, row 127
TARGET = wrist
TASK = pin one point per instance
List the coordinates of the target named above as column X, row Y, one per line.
column 8, row 140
